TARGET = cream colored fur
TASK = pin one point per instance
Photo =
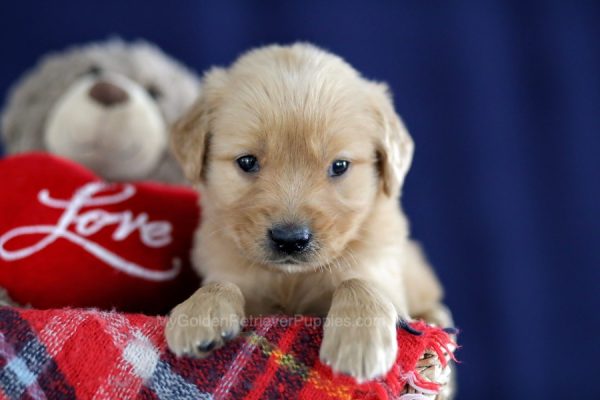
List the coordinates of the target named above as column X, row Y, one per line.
column 298, row 108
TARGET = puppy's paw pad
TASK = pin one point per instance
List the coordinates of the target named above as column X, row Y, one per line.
column 205, row 347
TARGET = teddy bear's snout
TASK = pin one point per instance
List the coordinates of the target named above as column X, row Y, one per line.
column 108, row 94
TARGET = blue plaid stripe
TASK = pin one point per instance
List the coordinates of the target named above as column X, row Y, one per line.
column 167, row 385
column 30, row 364
column 12, row 386
column 35, row 358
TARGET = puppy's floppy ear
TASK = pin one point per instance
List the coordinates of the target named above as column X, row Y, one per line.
column 189, row 140
column 190, row 135
column 395, row 147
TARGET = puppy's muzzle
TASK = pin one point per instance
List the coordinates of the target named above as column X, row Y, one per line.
column 290, row 239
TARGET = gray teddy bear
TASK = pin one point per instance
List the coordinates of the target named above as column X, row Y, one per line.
column 105, row 105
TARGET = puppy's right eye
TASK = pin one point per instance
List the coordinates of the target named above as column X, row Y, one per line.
column 248, row 163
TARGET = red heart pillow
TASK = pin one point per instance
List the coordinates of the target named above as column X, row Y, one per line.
column 69, row 239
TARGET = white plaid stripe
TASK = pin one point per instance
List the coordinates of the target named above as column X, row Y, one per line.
column 142, row 355
column 230, row 378
column 138, row 358
column 60, row 329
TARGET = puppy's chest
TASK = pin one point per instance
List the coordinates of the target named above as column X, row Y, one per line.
column 290, row 295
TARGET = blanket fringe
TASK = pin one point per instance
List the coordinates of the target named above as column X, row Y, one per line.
column 432, row 338
column 413, row 396
column 441, row 343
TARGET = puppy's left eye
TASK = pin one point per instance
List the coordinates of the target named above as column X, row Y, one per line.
column 248, row 163
column 338, row 167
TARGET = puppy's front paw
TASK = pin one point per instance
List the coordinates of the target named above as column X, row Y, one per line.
column 205, row 321
column 364, row 352
column 359, row 338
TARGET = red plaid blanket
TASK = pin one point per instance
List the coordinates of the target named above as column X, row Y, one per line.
column 66, row 354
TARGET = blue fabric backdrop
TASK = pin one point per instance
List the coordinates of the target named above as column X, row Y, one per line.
column 503, row 101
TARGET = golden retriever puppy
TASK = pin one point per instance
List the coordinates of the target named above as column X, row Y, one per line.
column 300, row 162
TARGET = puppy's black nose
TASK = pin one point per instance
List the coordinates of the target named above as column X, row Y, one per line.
column 290, row 239
column 108, row 94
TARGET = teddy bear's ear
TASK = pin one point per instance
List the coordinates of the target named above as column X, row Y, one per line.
column 4, row 128
column 16, row 118
column 190, row 135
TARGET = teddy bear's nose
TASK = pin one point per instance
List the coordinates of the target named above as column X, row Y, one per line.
column 108, row 94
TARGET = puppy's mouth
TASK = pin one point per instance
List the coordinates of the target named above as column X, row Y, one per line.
column 288, row 260
column 292, row 263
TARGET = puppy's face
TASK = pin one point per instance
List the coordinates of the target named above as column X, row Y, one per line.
column 292, row 150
